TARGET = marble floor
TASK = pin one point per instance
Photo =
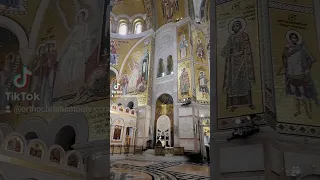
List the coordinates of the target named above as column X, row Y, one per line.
column 145, row 170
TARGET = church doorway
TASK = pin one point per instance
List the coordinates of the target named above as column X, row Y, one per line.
column 163, row 130
column 164, row 122
column 66, row 137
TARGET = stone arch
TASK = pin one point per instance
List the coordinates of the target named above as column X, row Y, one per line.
column 134, row 100
column 15, row 28
column 164, row 99
column 17, row 141
column 115, row 72
column 66, row 137
column 51, row 156
column 36, row 145
column 75, row 120
column 35, row 125
column 6, row 129
column 73, row 156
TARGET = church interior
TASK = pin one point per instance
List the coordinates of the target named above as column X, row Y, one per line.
column 159, row 74
column 159, row 87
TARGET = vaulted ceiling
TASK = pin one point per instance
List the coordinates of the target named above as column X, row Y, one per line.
column 128, row 7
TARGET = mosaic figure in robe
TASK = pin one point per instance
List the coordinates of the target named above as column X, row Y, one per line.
column 239, row 75
column 113, row 53
column 200, row 50
column 134, row 76
column 203, row 84
column 183, row 46
column 75, row 51
column 184, row 83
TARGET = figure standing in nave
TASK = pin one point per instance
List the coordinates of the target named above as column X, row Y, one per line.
column 183, row 46
column 298, row 62
column 239, row 75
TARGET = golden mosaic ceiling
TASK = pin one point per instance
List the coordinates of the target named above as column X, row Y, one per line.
column 129, row 7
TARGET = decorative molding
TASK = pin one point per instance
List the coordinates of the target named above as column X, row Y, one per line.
column 290, row 7
column 130, row 18
column 222, row 1
column 298, row 129
column 230, row 123
column 131, row 36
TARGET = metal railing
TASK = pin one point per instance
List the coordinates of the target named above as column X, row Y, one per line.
column 160, row 151
column 124, row 149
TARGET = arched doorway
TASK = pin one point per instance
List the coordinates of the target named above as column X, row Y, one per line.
column 66, row 137
column 31, row 135
column 164, row 120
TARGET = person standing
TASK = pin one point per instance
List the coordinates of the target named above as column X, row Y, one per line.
column 206, row 141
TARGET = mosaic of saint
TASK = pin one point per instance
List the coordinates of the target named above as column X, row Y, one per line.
column 239, row 76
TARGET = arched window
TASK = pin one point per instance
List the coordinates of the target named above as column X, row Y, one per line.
column 123, row 29
column 138, row 28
